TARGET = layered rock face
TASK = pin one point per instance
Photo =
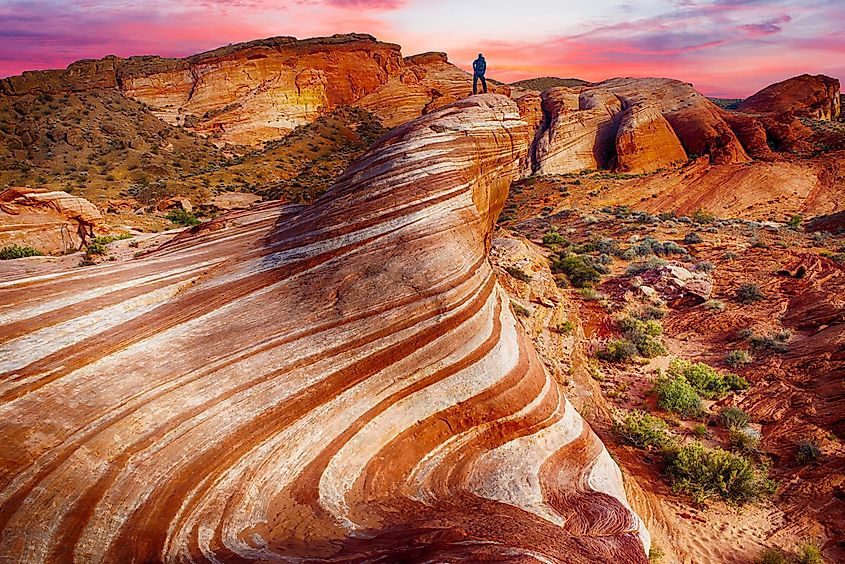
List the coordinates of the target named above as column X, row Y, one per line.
column 632, row 125
column 816, row 97
column 253, row 92
column 341, row 381
column 580, row 130
column 52, row 222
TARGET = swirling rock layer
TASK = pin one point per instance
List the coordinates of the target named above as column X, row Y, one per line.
column 342, row 381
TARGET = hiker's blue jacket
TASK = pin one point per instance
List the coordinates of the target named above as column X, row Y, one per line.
column 479, row 66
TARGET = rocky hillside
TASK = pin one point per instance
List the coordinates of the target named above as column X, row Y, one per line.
column 816, row 97
column 253, row 92
column 395, row 409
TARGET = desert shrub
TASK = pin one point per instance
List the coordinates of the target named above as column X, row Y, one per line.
column 642, row 430
column 518, row 273
column 700, row 430
column 715, row 305
column 706, row 380
column 579, row 273
column 566, row 328
column 651, row 312
column 675, row 394
column 181, row 217
column 590, row 294
column 692, row 238
column 701, row 216
column 744, row 441
column 642, row 267
column 749, row 293
column 655, row 554
column 608, row 246
column 809, row 553
column 738, row 357
column 705, row 266
column 771, row 556
column 95, row 248
column 555, row 238
column 795, row 221
column 644, row 334
column 704, row 473
column 745, row 333
column 16, row 251
column 734, row 418
column 621, row 350
column 807, row 452
column 520, row 310
column 106, row 239
column 775, row 342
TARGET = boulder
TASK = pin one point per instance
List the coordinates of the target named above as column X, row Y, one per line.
column 50, row 221
column 228, row 201
column 677, row 286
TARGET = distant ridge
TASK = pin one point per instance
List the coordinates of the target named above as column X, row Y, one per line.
column 546, row 82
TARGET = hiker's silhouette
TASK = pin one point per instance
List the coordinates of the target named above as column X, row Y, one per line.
column 479, row 67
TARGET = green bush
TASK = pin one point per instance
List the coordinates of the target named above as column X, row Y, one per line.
column 621, row 350
column 807, row 452
column 106, row 239
column 642, row 430
column 714, row 305
column 775, row 342
column 674, row 393
column 744, row 441
column 181, row 217
column 566, row 328
column 520, row 310
column 749, row 293
column 703, row 216
column 706, row 380
column 555, row 238
column 644, row 334
column 733, row 418
column 95, row 248
column 700, row 430
column 579, row 273
column 737, row 357
column 16, row 251
column 704, row 473
column 655, row 554
column 638, row 268
column 771, row 556
column 517, row 273
column 809, row 553
column 693, row 238
column 795, row 221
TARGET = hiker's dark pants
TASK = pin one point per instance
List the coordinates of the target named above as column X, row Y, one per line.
column 475, row 78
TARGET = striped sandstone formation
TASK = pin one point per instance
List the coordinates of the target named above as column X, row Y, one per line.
column 343, row 381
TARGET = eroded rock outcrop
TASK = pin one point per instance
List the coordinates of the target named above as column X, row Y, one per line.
column 816, row 97
column 341, row 381
column 52, row 222
column 580, row 130
column 632, row 125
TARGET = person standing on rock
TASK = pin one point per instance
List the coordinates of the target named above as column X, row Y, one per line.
column 479, row 67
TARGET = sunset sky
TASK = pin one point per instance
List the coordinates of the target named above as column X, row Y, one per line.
column 725, row 47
